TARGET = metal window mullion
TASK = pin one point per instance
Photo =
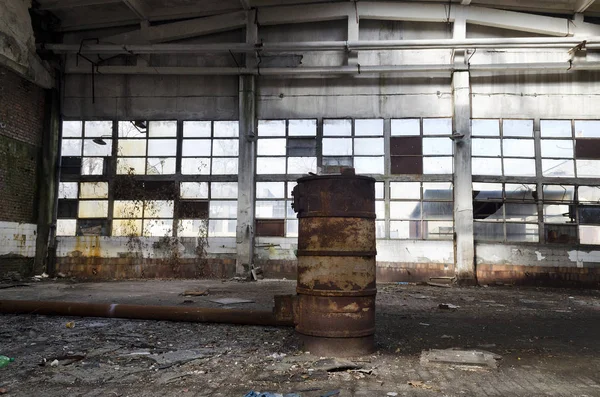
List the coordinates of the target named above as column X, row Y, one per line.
column 111, row 175
column 537, row 137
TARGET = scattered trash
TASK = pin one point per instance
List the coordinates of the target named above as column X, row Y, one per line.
column 70, row 324
column 178, row 357
column 40, row 276
column 3, row 391
column 439, row 285
column 54, row 363
column 190, row 292
column 253, row 393
column 278, row 355
column 231, row 301
column 447, row 337
column 61, row 275
column 463, row 358
column 424, row 324
column 335, row 365
column 392, row 393
column 419, row 384
column 63, row 360
column 448, row 306
column 4, row 361
column 403, row 283
column 331, row 393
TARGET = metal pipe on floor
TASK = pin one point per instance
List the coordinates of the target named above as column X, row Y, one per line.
column 144, row 312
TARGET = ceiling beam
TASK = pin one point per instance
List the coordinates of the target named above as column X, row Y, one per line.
column 63, row 4
column 582, row 5
column 138, row 8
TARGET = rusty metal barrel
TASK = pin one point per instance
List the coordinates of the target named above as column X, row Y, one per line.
column 336, row 263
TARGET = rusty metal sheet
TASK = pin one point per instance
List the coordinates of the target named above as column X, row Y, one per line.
column 587, row 148
column 269, row 228
column 406, row 146
column 336, row 275
column 411, row 165
column 337, row 234
column 338, row 347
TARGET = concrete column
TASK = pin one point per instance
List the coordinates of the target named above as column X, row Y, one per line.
column 246, row 170
column 463, row 187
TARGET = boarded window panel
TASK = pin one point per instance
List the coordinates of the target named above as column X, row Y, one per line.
column 519, row 167
column 406, row 146
column 96, row 129
column 405, row 210
column 437, row 191
column 270, row 228
column 158, row 209
column 587, row 128
column 93, row 166
column 438, row 230
column 561, row 148
column 560, row 234
column 557, row 214
column 301, row 147
column 162, row 129
column 366, row 127
column 131, row 166
column 91, row 148
column 223, row 209
column 337, row 127
column 271, row 147
column 437, row 165
column 406, row 127
column 485, row 127
column 562, row 193
column 301, row 165
column 406, row 165
column 93, row 209
column 485, row 147
column 158, row 227
column 221, row 227
column 438, row 126
column 68, row 190
column 196, row 148
column 587, row 148
column 368, row 146
column 521, row 232
column 194, row 190
column 302, row 127
column 337, row 146
column 517, row 128
column 589, row 214
column 555, row 129
column 162, row 147
column 196, row 129
column 195, row 166
column 70, row 165
column 589, row 234
column 127, row 227
column 518, row 148
column 71, row 129
column 224, row 129
column 270, row 165
column 160, row 166
column 270, row 209
column 128, row 209
column 588, row 168
column 193, row 209
column 291, row 228
column 68, row 209
column 192, row 228
column 437, row 146
column 127, row 129
column 405, row 190
column 225, row 147
column 270, row 190
column 369, row 165
column 71, row 147
column 93, row 190
column 520, row 212
column 66, row 227
column 558, row 168
column 92, row 227
column 486, row 231
column 271, row 127
column 220, row 190
column 224, row 166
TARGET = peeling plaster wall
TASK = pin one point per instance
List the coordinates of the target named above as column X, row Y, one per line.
column 17, row 247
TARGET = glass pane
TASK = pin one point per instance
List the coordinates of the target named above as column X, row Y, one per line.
column 368, row 127
column 589, row 234
column 271, row 128
column 437, row 126
column 270, row 209
column 127, row 227
column 225, row 166
column 302, row 165
column 160, row 166
column 437, row 146
column 517, row 128
column 70, row 147
column 483, row 127
column 487, row 191
column 559, row 193
column 93, row 190
column 589, row 214
column 196, row 147
column 519, row 167
column 437, row 191
column 488, row 231
column 196, row 129
column 369, row 165
column 227, row 129
column 131, row 166
column 589, row 194
column 127, row 129
column 379, row 229
column 223, row 209
column 485, row 147
column 337, row 127
column 223, row 190
column 301, row 147
column 195, row 166
column 91, row 148
column 192, row 228
column 270, row 189
column 158, row 209
column 518, row 148
column 405, row 229
column 162, row 147
column 270, row 165
column 162, row 129
column 225, row 147
column 555, row 129
column 588, row 168
column 221, row 228
column 558, row 168
column 158, row 227
column 520, row 212
column 71, row 129
column 437, row 165
column 271, row 147
column 406, row 127
column 93, row 209
column 557, row 148
column 128, row 208
column 67, row 190
column 587, row 128
column 92, row 166
column 520, row 192
column 337, row 161
column 405, row 210
column 290, row 188
column 366, row 146
column 522, row 232
column 486, row 166
column 131, row 147
column 556, row 214
column 380, row 209
column 405, row 190
column 434, row 210
column 560, row 234
column 291, row 228
column 302, row 127
column 337, row 146
column 66, row 227
column 438, row 230
column 194, row 190
column 97, row 129
column 290, row 213
column 379, row 187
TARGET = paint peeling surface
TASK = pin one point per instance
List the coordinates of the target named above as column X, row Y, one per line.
column 535, row 255
column 18, row 239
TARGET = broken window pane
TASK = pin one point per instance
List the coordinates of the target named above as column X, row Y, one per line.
column 337, row 127
column 221, row 227
column 92, row 166
column 588, row 194
column 225, row 147
column 127, row 227
column 71, row 129
column 405, row 127
column 514, row 128
column 271, row 147
column 91, row 148
column 368, row 146
column 302, row 127
column 518, row 148
column 434, row 210
column 196, row 147
column 131, row 147
column 97, row 129
column 437, row 146
column 223, row 209
column 224, row 166
column 438, row 230
column 519, row 167
column 160, row 129
column 196, row 129
column 555, row 129
column 558, row 168
column 369, row 165
column 301, row 147
column 520, row 212
column 368, row 127
column 380, row 209
column 158, row 227
column 588, row 168
column 66, row 227
column 520, row 192
column 270, row 165
column 405, row 190
column 405, row 229
column 587, row 128
column 486, row 166
column 301, row 165
column 92, row 227
column 557, row 148
column 193, row 209
column 559, row 193
column 440, row 126
column 225, row 129
column 379, row 187
column 194, row 190
column 195, row 166
column 161, row 166
column 405, row 210
column 485, row 127
column 192, row 228
column 270, row 209
column 158, row 209
column 93, row 190
column 67, row 209
column 127, row 129
column 291, row 228
column 223, row 190
column 290, row 188
column 70, row 147
column 269, row 189
column 337, row 146
column 67, row 190
column 437, row 191
column 93, row 209
column 162, row 147
column 485, row 147
column 557, row 214
column 437, row 165
column 589, row 234
column 271, row 128
column 485, row 231
column 522, row 232
column 487, row 191
column 560, row 234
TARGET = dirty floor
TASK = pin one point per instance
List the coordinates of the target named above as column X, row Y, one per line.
column 548, row 341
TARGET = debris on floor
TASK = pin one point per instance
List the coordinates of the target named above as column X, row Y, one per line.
column 461, row 358
column 419, row 384
column 334, row 365
column 448, row 306
column 201, row 292
column 231, row 301
column 268, row 394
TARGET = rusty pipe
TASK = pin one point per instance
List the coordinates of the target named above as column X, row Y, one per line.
column 144, row 312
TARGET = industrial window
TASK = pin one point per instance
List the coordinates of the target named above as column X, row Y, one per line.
column 421, row 146
column 273, row 210
column 210, row 148
column 82, row 208
column 421, row 210
column 146, row 148
column 208, row 208
column 503, row 148
column 557, row 149
column 505, row 212
column 355, row 143
column 587, row 148
column 85, row 147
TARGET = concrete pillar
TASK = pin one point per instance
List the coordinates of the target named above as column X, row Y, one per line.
column 246, row 170
column 463, row 186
